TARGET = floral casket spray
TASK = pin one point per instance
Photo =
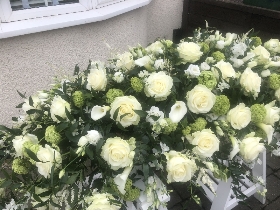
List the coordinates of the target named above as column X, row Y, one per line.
column 116, row 134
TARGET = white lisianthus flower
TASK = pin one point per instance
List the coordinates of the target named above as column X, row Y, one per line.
column 239, row 117
column 200, row 99
column 145, row 61
column 262, row 55
column 204, row 66
column 210, row 60
column 237, row 62
column 206, row 143
column 97, row 79
column 268, row 129
column 36, row 104
column 251, row 82
column 120, row 179
column 193, row 70
column 178, row 111
column 158, row 85
column 250, row 148
column 98, row 112
column 92, row 137
column 126, row 105
column 118, row 153
column 48, row 157
column 58, row 107
column 265, row 73
column 101, row 201
column 220, row 44
column 272, row 113
column 159, row 64
column 154, row 112
column 179, row 167
column 18, row 142
column 143, row 74
column 156, row 48
column 235, row 147
column 273, row 45
column 238, row 49
column 226, row 70
column 118, row 77
column 125, row 61
column 189, row 52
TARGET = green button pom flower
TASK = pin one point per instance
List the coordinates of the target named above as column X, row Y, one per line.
column 136, row 84
column 274, row 81
column 112, row 94
column 218, row 56
column 21, row 166
column 258, row 113
column 78, row 99
column 198, row 125
column 208, row 79
column 221, row 105
column 52, row 136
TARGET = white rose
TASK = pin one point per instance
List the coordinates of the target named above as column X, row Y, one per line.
column 206, row 143
column 239, row 117
column 18, row 142
column 277, row 94
column 179, row 167
column 189, row 52
column 272, row 113
column 250, row 148
column 251, row 82
column 118, row 77
column 36, row 104
column 101, row 201
column 200, row 99
column 97, row 79
column 263, row 56
column 48, row 157
column 158, row 85
column 118, row 153
column 125, row 61
column 193, row 70
column 58, row 107
column 155, row 48
column 273, row 45
column 126, row 105
column 226, row 70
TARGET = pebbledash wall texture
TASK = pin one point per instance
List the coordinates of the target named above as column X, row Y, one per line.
column 28, row 63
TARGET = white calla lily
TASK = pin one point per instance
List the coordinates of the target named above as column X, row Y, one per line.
column 98, row 112
column 235, row 147
column 120, row 179
column 268, row 129
column 145, row 61
column 178, row 111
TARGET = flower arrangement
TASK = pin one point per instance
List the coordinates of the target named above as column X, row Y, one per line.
column 161, row 114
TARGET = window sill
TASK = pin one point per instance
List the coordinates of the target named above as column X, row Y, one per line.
column 61, row 21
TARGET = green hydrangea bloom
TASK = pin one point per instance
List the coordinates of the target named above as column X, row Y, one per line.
column 78, row 98
column 274, row 81
column 21, row 166
column 198, row 125
column 208, row 79
column 186, row 131
column 221, row 105
column 52, row 136
column 218, row 56
column 171, row 126
column 258, row 113
column 112, row 94
column 204, row 47
column 32, row 147
column 256, row 41
column 131, row 192
column 136, row 84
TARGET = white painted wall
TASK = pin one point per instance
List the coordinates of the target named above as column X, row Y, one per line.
column 29, row 62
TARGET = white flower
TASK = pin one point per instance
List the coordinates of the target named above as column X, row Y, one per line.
column 118, row 153
column 58, row 107
column 193, row 70
column 235, row 147
column 178, row 111
column 226, row 70
column 206, row 143
column 179, row 167
column 251, row 82
column 237, row 62
column 153, row 113
column 97, row 79
column 120, row 179
column 223, row 85
column 268, row 129
column 118, row 77
column 189, row 52
column 155, row 48
column 210, row 60
column 125, row 61
column 164, row 148
column 126, row 105
column 43, row 96
column 98, row 112
column 262, row 55
column 101, row 201
column 249, row 56
column 92, row 137
column 220, row 44
column 36, row 103
column 18, row 142
column 204, row 66
column 145, row 61
column 200, row 99
column 273, row 45
column 239, row 117
column 158, row 85
column 272, row 113
column 265, row 73
column 48, row 157
column 250, row 148
column 159, row 64
column 277, row 94
column 238, row 49
column 143, row 74
column 229, row 38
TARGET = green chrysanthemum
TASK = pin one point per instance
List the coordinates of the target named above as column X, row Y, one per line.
column 78, row 99
column 52, row 136
column 204, row 47
column 258, row 113
column 112, row 94
column 171, row 126
column 256, row 41
column 32, row 147
column 21, row 166
column 274, row 81
column 136, row 84
column 186, row 131
column 218, row 56
column 221, row 105
column 198, row 125
column 208, row 79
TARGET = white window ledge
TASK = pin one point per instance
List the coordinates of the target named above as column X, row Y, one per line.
column 60, row 21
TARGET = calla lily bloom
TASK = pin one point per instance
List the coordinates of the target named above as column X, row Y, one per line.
column 178, row 111
column 235, row 147
column 268, row 129
column 98, row 112
column 120, row 179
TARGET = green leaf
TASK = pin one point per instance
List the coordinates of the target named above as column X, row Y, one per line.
column 55, row 204
column 121, row 127
column 175, row 79
column 21, row 95
column 76, row 70
column 72, row 178
column 69, row 116
column 59, row 118
column 146, row 170
column 30, row 101
column 89, row 152
column 141, row 113
column 6, row 183
column 39, row 204
column 37, row 198
column 44, row 194
column 64, row 87
column 32, row 155
column 85, row 130
column 20, row 105
column 116, row 113
column 61, row 126
column 99, row 144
